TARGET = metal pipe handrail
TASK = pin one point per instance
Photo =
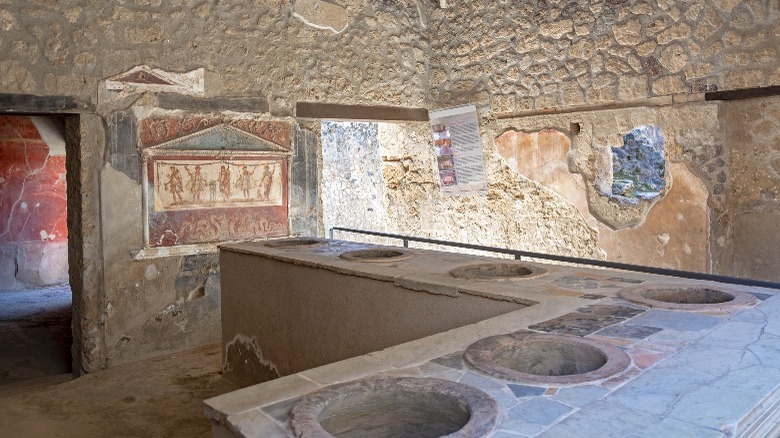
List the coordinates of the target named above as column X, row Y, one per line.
column 518, row 254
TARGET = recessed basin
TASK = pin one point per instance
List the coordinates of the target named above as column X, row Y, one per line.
column 498, row 271
column 395, row 408
column 292, row 243
column 548, row 359
column 687, row 297
column 377, row 255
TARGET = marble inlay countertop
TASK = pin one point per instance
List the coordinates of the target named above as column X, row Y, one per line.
column 692, row 374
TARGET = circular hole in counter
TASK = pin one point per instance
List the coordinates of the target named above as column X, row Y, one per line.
column 544, row 358
column 687, row 297
column 292, row 243
column 497, row 271
column 395, row 407
column 377, row 255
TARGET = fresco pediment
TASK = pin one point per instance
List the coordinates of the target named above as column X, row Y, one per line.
column 220, row 138
column 144, row 78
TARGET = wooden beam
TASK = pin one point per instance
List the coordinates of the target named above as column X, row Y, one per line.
column 745, row 93
column 239, row 104
column 32, row 104
column 335, row 111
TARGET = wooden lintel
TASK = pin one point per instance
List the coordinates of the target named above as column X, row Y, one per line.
column 32, row 104
column 335, row 111
column 745, row 93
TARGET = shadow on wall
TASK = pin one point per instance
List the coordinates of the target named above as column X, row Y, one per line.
column 33, row 213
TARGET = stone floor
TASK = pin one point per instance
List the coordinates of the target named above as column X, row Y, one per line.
column 160, row 397
column 39, row 398
column 35, row 333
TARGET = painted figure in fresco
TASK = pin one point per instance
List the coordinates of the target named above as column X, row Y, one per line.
column 197, row 184
column 213, row 190
column 175, row 185
column 224, row 182
column 244, row 181
column 266, row 181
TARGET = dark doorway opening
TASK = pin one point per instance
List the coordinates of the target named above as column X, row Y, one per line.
column 35, row 297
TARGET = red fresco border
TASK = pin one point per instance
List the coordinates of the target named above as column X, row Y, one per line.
column 154, row 131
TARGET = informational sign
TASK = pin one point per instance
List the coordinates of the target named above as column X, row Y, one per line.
column 458, row 149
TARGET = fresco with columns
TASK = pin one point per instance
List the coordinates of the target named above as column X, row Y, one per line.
column 226, row 181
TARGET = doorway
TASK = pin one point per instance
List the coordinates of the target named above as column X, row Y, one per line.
column 35, row 297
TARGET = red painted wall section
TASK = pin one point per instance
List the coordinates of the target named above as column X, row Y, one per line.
column 33, row 212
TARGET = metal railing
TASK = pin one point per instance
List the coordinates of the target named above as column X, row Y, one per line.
column 519, row 254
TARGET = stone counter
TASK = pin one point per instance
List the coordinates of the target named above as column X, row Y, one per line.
column 691, row 374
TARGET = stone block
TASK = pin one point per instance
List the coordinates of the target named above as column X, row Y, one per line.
column 539, row 410
column 673, row 58
column 629, row 331
column 675, row 32
column 668, row 85
column 525, row 391
column 682, row 321
column 632, row 87
column 651, row 66
column 628, row 33
column 453, row 360
column 580, row 395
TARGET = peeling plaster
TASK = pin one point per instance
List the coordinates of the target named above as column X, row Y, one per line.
column 321, row 15
column 244, row 363
column 151, row 272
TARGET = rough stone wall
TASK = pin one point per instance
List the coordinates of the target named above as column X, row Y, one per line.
column 745, row 235
column 504, row 56
column 247, row 48
column 509, row 56
column 516, row 213
column 33, row 228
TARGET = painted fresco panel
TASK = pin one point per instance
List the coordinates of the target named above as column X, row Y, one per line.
column 203, row 199
column 188, row 184
column 210, row 182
